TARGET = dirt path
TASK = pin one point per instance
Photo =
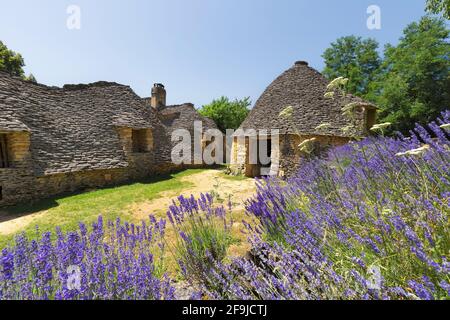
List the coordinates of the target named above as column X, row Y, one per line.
column 207, row 181
column 11, row 225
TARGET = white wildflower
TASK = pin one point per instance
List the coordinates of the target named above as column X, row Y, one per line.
column 329, row 95
column 287, row 112
column 347, row 129
column 337, row 83
column 323, row 126
column 380, row 126
column 307, row 145
column 445, row 126
column 347, row 110
column 414, row 152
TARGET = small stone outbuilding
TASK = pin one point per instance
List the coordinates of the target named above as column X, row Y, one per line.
column 56, row 140
column 300, row 90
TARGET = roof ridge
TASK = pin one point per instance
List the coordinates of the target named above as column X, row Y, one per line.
column 65, row 87
column 96, row 84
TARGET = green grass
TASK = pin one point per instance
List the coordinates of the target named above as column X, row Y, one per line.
column 67, row 211
column 234, row 178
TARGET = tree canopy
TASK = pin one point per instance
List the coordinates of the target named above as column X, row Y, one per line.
column 413, row 83
column 410, row 84
column 11, row 61
column 439, row 6
column 354, row 58
column 226, row 113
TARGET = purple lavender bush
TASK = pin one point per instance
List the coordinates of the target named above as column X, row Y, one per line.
column 202, row 235
column 107, row 262
column 368, row 221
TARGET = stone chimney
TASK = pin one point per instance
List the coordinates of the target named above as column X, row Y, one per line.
column 158, row 99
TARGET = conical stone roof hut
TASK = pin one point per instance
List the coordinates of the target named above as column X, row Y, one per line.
column 295, row 105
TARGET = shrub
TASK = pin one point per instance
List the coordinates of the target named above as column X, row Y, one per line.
column 202, row 234
column 112, row 263
column 371, row 220
column 227, row 114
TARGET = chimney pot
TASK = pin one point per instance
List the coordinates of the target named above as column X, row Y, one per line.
column 301, row 63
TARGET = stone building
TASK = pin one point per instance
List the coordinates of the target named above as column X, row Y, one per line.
column 183, row 116
column 301, row 91
column 56, row 140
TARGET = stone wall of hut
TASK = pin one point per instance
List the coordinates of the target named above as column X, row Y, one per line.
column 17, row 181
column 286, row 156
column 19, row 184
column 291, row 157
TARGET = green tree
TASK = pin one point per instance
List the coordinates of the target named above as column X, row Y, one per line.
column 413, row 84
column 31, row 78
column 354, row 58
column 439, row 6
column 11, row 61
column 227, row 114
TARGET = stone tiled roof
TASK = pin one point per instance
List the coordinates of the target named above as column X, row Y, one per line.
column 183, row 116
column 303, row 88
column 8, row 122
column 72, row 128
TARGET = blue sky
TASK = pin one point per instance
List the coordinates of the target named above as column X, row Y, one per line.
column 200, row 49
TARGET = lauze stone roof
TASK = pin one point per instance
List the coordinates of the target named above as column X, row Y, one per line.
column 73, row 128
column 303, row 88
column 183, row 116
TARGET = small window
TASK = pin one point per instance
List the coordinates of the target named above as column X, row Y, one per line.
column 142, row 140
column 371, row 118
column 4, row 156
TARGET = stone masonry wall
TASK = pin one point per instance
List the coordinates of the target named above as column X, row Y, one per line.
column 19, row 184
column 50, row 185
column 286, row 157
column 290, row 155
column 16, row 182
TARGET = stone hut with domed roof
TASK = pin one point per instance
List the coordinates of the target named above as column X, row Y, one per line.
column 311, row 117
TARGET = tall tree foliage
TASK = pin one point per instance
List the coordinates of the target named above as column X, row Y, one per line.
column 226, row 113
column 11, row 61
column 354, row 58
column 413, row 83
column 439, row 6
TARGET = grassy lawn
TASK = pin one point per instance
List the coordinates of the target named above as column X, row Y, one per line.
column 68, row 211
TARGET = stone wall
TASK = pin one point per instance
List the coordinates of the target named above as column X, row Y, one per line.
column 291, row 157
column 286, row 156
column 50, row 185
column 238, row 156
column 19, row 183
column 16, row 182
column 81, row 136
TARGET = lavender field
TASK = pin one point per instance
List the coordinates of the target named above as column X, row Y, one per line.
column 369, row 220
